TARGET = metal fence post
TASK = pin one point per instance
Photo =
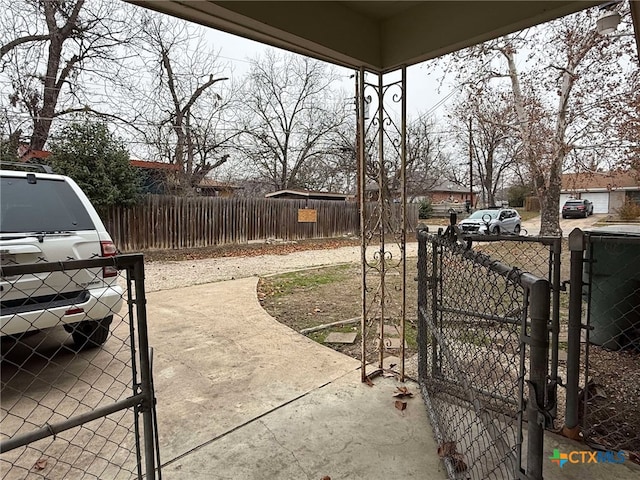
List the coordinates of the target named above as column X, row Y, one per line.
column 576, row 246
column 422, row 302
column 435, row 287
column 539, row 347
column 145, row 370
column 554, row 278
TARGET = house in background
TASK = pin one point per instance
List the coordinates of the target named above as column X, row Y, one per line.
column 209, row 187
column 608, row 191
column 158, row 178
column 309, row 195
column 26, row 154
column 445, row 192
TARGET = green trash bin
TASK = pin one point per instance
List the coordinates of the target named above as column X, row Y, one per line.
column 614, row 305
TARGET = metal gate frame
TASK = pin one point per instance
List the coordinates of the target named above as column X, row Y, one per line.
column 534, row 335
column 142, row 399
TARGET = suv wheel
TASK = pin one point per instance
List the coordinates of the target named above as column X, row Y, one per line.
column 91, row 333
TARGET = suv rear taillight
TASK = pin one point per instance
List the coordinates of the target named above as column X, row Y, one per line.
column 108, row 249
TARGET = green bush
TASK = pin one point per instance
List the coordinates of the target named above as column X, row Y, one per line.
column 517, row 195
column 629, row 211
column 98, row 161
column 425, row 209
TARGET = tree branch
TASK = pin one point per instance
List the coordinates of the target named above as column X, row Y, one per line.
column 19, row 41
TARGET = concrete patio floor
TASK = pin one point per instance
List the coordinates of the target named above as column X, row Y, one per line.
column 241, row 396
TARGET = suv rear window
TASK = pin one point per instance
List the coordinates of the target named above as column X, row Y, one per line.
column 45, row 206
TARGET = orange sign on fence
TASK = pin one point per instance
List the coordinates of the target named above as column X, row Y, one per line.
column 307, row 215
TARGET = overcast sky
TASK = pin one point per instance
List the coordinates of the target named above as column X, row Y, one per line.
column 422, row 94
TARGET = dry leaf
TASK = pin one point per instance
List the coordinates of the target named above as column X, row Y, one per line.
column 458, row 463
column 40, row 464
column 326, row 477
column 402, row 392
column 400, row 405
column 446, row 449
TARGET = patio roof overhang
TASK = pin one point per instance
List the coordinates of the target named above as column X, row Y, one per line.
column 380, row 36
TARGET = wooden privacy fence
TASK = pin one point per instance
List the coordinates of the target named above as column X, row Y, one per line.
column 166, row 222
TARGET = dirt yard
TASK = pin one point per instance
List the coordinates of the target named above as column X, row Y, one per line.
column 315, row 297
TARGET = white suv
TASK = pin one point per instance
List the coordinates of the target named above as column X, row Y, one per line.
column 47, row 218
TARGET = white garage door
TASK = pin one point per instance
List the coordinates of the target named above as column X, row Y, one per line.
column 563, row 198
column 600, row 201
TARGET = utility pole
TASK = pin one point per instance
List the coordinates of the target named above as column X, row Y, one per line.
column 471, row 163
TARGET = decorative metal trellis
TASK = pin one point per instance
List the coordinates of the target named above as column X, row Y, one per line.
column 381, row 142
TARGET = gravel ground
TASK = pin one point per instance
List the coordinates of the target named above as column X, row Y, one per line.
column 164, row 275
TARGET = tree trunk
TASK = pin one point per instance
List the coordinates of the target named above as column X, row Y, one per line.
column 43, row 119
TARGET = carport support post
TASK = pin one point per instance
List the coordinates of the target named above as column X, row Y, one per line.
column 145, row 370
column 363, row 227
column 539, row 348
column 576, row 246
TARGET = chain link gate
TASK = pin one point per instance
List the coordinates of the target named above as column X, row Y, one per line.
column 543, row 257
column 483, row 339
column 72, row 409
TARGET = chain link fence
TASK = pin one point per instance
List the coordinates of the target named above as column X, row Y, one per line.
column 608, row 396
column 483, row 358
column 77, row 396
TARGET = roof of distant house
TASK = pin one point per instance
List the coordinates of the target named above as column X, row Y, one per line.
column 448, row 187
column 215, row 184
column 594, row 181
column 307, row 194
column 26, row 154
column 154, row 165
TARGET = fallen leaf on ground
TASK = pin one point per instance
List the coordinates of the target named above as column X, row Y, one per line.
column 402, row 392
column 326, row 477
column 458, row 463
column 446, row 449
column 40, row 464
column 400, row 405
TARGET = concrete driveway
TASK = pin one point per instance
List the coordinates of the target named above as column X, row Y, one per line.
column 566, row 224
column 241, row 396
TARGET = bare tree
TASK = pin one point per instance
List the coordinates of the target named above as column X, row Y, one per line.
column 53, row 50
column 185, row 108
column 626, row 117
column 493, row 134
column 566, row 57
column 291, row 119
column 425, row 158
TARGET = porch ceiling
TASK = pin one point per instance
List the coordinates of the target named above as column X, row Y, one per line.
column 378, row 35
